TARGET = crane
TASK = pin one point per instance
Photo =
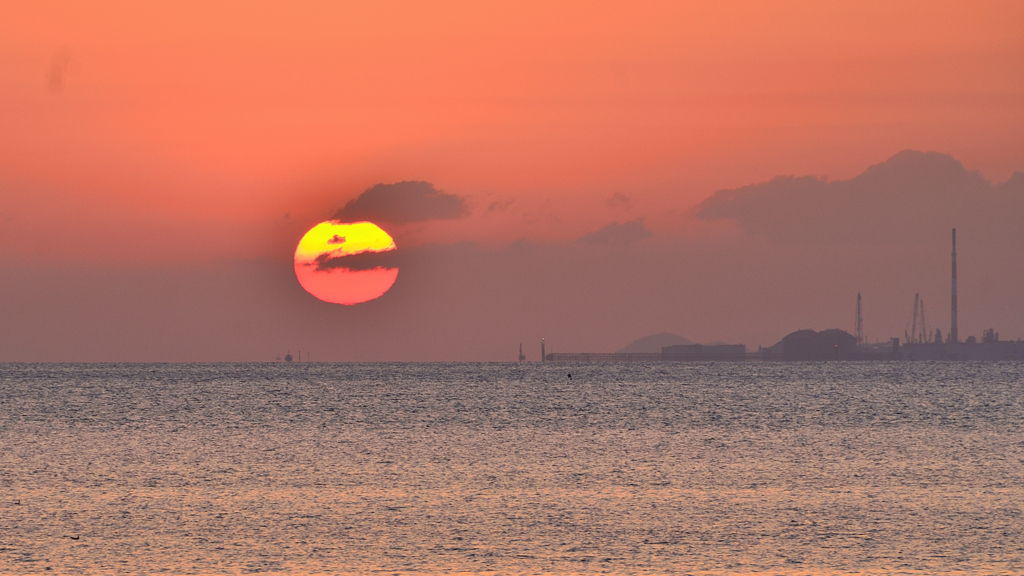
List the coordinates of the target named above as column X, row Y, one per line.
column 913, row 326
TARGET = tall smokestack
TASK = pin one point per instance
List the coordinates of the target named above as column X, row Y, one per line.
column 859, row 327
column 952, row 321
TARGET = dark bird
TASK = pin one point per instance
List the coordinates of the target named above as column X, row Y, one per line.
column 75, row 537
column 570, row 376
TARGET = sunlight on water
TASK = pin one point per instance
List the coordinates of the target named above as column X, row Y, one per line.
column 903, row 468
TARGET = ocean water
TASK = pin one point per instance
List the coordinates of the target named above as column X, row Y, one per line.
column 662, row 468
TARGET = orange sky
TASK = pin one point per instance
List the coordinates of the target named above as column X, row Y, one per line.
column 159, row 163
column 173, row 131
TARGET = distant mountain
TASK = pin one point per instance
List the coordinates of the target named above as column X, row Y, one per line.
column 654, row 343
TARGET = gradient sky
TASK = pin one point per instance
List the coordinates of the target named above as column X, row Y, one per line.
column 161, row 161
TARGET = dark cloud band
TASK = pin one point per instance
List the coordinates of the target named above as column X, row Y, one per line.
column 356, row 262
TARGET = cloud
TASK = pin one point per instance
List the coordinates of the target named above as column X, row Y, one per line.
column 911, row 197
column 360, row 261
column 618, row 234
column 403, row 202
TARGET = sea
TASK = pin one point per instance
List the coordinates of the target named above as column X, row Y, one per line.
column 517, row 468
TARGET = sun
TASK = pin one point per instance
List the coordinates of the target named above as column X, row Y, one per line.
column 346, row 262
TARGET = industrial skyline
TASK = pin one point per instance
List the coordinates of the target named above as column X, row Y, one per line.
column 832, row 344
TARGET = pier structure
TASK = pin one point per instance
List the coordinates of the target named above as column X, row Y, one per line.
column 678, row 353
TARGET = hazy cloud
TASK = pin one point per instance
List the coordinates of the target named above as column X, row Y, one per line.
column 913, row 196
column 403, row 202
column 618, row 234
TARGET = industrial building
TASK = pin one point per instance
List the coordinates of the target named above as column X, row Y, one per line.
column 1006, row 350
column 920, row 347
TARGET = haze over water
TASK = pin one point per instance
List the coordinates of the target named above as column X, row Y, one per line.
column 752, row 468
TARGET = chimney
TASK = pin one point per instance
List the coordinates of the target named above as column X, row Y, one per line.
column 952, row 321
column 859, row 327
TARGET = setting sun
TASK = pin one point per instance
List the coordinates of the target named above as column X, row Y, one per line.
column 346, row 263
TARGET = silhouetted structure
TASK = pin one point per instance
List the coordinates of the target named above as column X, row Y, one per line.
column 859, row 326
column 918, row 333
column 677, row 353
column 953, row 335
column 990, row 347
column 971, row 349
